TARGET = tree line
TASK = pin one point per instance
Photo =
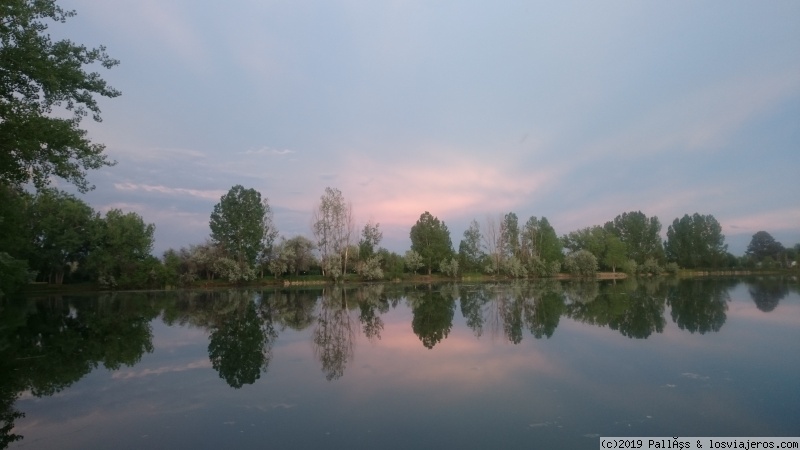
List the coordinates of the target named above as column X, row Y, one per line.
column 54, row 237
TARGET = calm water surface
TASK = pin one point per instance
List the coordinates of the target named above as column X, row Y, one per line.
column 538, row 365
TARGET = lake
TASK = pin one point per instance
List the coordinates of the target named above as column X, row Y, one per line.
column 509, row 365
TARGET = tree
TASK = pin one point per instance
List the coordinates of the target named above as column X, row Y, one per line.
column 432, row 317
column 695, row 241
column 509, row 235
column 592, row 239
column 333, row 228
column 64, row 228
column 431, row 239
column 763, row 245
column 493, row 243
column 371, row 237
column 539, row 240
column 615, row 252
column 302, row 254
column 581, row 263
column 15, row 240
column 240, row 345
column 469, row 250
column 121, row 246
column 36, row 76
column 241, row 224
column 640, row 234
column 413, row 260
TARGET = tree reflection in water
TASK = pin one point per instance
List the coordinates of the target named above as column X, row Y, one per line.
column 700, row 306
column 334, row 335
column 768, row 292
column 241, row 338
column 372, row 303
column 635, row 309
column 47, row 344
column 432, row 315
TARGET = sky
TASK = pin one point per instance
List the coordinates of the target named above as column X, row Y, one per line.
column 575, row 111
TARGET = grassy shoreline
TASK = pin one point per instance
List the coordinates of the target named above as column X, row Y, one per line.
column 317, row 280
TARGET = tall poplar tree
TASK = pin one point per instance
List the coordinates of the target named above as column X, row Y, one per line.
column 333, row 229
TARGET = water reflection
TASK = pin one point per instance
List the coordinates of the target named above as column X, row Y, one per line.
column 433, row 311
column 700, row 306
column 48, row 344
column 240, row 340
column 635, row 309
column 768, row 292
column 372, row 302
column 334, row 334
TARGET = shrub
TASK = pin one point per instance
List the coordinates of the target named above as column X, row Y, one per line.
column 370, row 269
column 514, row 268
column 449, row 268
column 649, row 267
column 671, row 268
column 581, row 263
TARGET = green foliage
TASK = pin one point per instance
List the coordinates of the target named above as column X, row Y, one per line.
column 449, row 267
column 234, row 271
column 696, row 241
column 332, row 227
column 38, row 75
column 671, row 268
column 241, row 224
column 592, row 239
column 294, row 256
column 13, row 274
column 370, row 268
column 514, row 268
column 539, row 239
column 615, row 252
column 392, row 264
column 413, row 260
column 538, row 268
column 762, row 246
column 64, row 229
column 430, row 238
column 640, row 235
column 470, row 254
column 649, row 267
column 581, row 263
column 332, row 267
column 121, row 248
column 371, row 237
column 629, row 267
column 509, row 236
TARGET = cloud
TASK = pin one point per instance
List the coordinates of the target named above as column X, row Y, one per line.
column 269, row 151
column 207, row 194
column 447, row 181
column 127, row 374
